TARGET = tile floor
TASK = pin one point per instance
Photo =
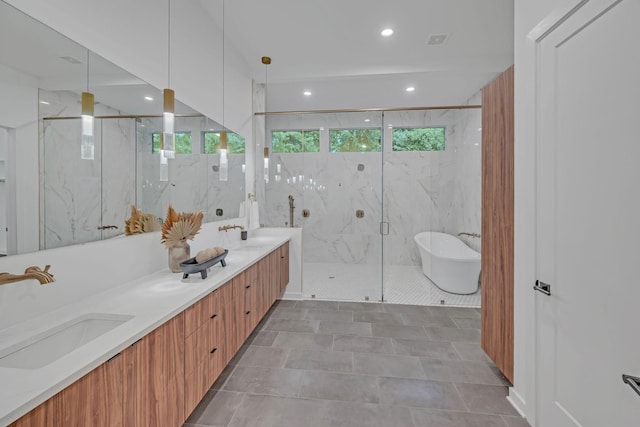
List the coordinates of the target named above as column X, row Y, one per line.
column 327, row 363
column 403, row 284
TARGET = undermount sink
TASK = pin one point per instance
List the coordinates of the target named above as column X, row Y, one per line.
column 58, row 341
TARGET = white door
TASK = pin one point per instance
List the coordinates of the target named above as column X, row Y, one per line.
column 588, row 226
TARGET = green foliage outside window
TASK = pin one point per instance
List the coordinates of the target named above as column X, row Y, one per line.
column 182, row 140
column 295, row 141
column 354, row 140
column 418, row 139
column 211, row 142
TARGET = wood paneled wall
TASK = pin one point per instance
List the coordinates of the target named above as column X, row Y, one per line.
column 497, row 221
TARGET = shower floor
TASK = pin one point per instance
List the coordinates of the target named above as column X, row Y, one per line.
column 403, row 284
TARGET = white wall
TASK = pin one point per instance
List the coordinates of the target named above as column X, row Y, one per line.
column 527, row 15
column 19, row 114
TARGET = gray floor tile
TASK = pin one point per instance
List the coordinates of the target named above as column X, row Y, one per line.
column 404, row 309
column 289, row 313
column 420, row 393
column 355, row 414
column 454, row 334
column 216, row 408
column 268, row 357
column 273, row 381
column 454, row 311
column 426, row 319
column 515, row 421
column 272, row 411
column 433, row 349
column 288, row 325
column 377, row 317
column 362, row 344
column 460, row 371
column 223, row 377
column 360, row 306
column 467, row 322
column 340, row 316
column 318, row 305
column 471, row 351
column 262, row 338
column 285, row 303
column 399, row 331
column 333, row 361
column 345, row 328
column 343, row 387
column 487, row 399
column 387, row 365
column 437, row 418
column 303, row 341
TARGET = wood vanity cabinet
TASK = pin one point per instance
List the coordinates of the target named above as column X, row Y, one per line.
column 161, row 378
column 94, row 400
column 154, row 377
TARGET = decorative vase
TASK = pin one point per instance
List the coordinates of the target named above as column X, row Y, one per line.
column 178, row 253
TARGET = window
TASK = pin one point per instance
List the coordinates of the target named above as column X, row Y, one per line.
column 182, row 139
column 418, row 139
column 211, row 142
column 295, row 141
column 354, row 140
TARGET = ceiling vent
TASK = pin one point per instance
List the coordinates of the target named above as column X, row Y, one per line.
column 437, row 39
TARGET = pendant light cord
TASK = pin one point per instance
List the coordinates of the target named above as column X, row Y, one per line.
column 168, row 43
column 88, row 70
column 224, row 125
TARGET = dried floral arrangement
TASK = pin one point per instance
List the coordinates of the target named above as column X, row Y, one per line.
column 180, row 227
column 141, row 222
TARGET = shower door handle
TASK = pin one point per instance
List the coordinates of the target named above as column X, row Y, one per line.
column 384, row 228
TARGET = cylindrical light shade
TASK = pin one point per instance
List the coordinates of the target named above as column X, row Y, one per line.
column 87, row 146
column 266, row 152
column 266, row 164
column 168, row 147
column 223, row 140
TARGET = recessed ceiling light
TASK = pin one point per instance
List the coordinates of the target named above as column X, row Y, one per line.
column 71, row 60
column 367, row 120
column 410, row 89
column 44, row 103
column 307, row 93
column 148, row 98
column 387, row 32
column 437, row 39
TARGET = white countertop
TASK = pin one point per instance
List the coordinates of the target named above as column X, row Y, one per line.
column 151, row 300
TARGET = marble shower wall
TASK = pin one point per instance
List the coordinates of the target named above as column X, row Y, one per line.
column 420, row 191
column 74, row 200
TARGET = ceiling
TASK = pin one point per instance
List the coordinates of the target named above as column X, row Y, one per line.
column 334, row 49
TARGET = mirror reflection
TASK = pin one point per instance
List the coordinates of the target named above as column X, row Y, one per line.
column 50, row 196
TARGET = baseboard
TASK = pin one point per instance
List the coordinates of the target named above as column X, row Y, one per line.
column 517, row 402
column 292, row 295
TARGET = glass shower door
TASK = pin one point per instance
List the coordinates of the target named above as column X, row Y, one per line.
column 331, row 165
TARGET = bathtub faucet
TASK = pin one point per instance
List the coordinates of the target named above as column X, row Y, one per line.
column 464, row 233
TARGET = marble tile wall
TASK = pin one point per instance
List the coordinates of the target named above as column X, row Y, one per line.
column 413, row 191
column 74, row 200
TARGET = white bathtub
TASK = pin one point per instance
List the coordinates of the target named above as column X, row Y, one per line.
column 448, row 262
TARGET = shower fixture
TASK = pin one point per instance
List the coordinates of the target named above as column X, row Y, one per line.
column 291, row 208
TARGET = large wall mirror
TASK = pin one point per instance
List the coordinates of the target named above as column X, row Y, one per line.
column 49, row 195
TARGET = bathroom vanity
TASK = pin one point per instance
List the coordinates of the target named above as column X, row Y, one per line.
column 174, row 338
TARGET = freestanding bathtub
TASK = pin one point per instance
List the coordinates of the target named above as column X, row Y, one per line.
column 448, row 262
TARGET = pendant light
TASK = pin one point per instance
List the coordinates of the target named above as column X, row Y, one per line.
column 87, row 146
column 224, row 161
column 167, row 149
column 266, row 61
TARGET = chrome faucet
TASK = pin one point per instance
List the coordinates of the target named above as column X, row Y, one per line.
column 230, row 227
column 42, row 276
column 291, row 208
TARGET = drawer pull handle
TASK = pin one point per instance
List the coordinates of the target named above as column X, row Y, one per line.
column 213, row 316
column 214, row 350
column 247, row 287
column 248, row 312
